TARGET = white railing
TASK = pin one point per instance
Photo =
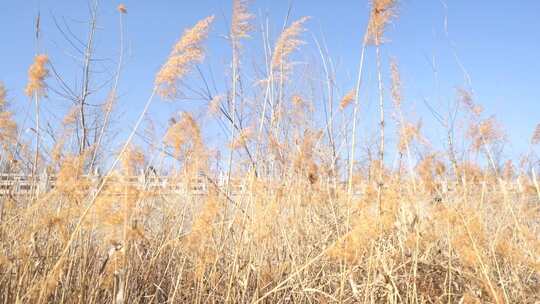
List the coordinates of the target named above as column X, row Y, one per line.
column 20, row 184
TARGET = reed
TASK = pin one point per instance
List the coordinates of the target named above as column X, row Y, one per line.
column 302, row 210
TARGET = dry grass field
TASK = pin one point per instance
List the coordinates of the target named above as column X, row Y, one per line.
column 303, row 210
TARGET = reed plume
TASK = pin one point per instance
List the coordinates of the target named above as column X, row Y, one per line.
column 535, row 139
column 347, row 99
column 122, row 8
column 3, row 96
column 36, row 76
column 186, row 52
column 36, row 88
column 407, row 133
column 395, row 84
column 214, row 106
column 185, row 138
column 382, row 12
column 484, row 132
column 297, row 101
column 465, row 98
column 8, row 127
column 182, row 131
column 241, row 17
column 243, row 138
column 288, row 42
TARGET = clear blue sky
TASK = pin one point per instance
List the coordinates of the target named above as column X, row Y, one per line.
column 497, row 42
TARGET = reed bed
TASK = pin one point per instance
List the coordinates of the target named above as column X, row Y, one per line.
column 292, row 217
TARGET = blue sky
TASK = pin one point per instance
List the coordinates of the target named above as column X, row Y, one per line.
column 496, row 42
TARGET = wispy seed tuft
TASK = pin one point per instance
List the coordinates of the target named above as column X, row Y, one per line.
column 187, row 52
column 36, row 76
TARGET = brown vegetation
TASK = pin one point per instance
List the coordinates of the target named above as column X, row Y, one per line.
column 292, row 223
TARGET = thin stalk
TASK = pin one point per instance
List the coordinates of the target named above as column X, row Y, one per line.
column 233, row 108
column 329, row 117
column 267, row 92
column 381, row 124
column 112, row 95
column 36, row 156
column 355, row 114
column 86, row 80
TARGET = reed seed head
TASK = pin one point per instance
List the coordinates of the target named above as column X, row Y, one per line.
column 187, row 52
column 122, row 8
column 240, row 20
column 382, row 12
column 36, row 76
column 536, row 135
column 288, row 42
column 347, row 99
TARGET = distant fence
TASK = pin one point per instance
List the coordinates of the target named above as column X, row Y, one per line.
column 21, row 184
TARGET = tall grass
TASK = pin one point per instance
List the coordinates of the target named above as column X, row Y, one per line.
column 292, row 222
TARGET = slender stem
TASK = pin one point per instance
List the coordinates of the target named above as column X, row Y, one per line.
column 36, row 156
column 355, row 114
column 381, row 124
column 266, row 94
column 233, row 108
column 86, row 80
column 112, row 96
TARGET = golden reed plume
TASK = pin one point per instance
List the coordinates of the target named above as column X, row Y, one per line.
column 347, row 99
column 287, row 43
column 187, row 51
column 382, row 11
column 122, row 8
column 36, row 76
column 240, row 20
